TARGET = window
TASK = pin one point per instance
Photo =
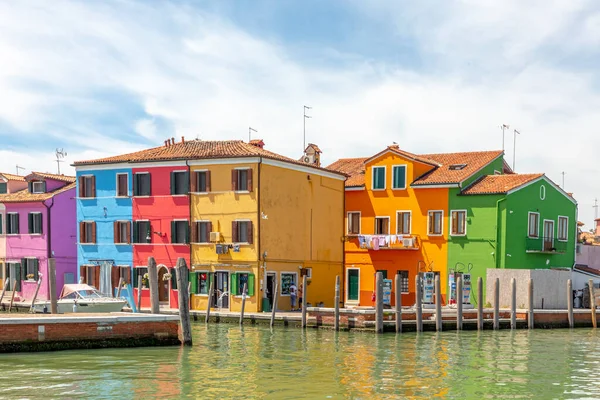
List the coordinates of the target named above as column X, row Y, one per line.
column 242, row 232
column 179, row 182
column 459, row 224
column 30, row 268
column 435, row 222
column 118, row 273
column 173, row 273
column 90, row 275
column 122, row 232
column 287, row 279
column 35, row 223
column 382, row 225
column 202, row 182
column 241, row 180
column 87, row 232
column 38, row 187
column 14, row 274
column 383, row 274
column 141, row 184
column 403, row 223
column 141, row 232
column 1, row 228
column 399, row 177
column 180, row 232
column 122, row 185
column 12, row 224
column 202, row 282
column 533, row 225
column 403, row 281
column 378, row 178
column 87, row 186
column 201, row 233
column 354, row 223
column 563, row 228
column 138, row 274
column 238, row 280
column 3, row 187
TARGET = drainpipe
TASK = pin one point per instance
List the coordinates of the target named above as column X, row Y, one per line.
column 189, row 169
column 262, row 259
column 48, row 240
column 343, row 292
column 498, row 230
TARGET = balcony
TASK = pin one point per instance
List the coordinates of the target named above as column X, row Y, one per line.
column 545, row 245
column 389, row 242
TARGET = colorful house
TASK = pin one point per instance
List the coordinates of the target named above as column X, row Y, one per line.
column 407, row 214
column 38, row 223
column 9, row 183
column 240, row 215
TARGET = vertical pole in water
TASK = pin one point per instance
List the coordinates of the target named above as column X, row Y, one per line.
column 592, row 302
column 210, row 299
column 337, row 304
column 459, row 304
column 274, row 305
column 379, row 302
column 139, row 296
column 530, row 321
column 513, row 304
column 243, row 304
column 497, row 304
column 438, row 305
column 12, row 298
column 479, row 304
column 52, row 280
column 184, row 304
column 419, row 308
column 4, row 290
column 304, row 291
column 398, row 301
column 37, row 289
column 570, row 302
column 153, row 281
column 120, row 288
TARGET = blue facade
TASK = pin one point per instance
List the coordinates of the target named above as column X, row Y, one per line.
column 104, row 209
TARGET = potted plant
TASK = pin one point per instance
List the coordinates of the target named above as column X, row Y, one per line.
column 146, row 280
column 167, row 276
column 30, row 277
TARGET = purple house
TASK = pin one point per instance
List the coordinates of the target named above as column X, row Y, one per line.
column 38, row 222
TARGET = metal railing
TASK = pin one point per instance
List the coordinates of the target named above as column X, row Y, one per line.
column 545, row 245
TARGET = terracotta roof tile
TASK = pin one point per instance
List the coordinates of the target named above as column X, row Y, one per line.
column 11, row 177
column 60, row 178
column 498, row 184
column 23, row 196
column 353, row 167
column 396, row 149
column 472, row 161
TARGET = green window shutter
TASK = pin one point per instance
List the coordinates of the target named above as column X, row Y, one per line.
column 30, row 185
column 135, row 232
column 1, row 227
column 173, row 279
column 30, row 222
column 234, row 289
column 36, row 268
column 173, row 183
column 173, row 232
column 18, row 277
column 135, row 278
column 187, row 233
column 250, row 284
column 399, row 177
column 44, row 186
column 210, row 279
column 186, row 185
column 136, row 191
column 194, row 280
column 41, row 223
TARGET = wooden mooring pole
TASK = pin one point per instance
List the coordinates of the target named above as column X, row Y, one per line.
column 184, row 303
column 139, row 296
column 211, row 292
column 459, row 304
column 304, row 292
column 592, row 302
column 398, row 300
column 243, row 304
column 4, row 289
column 497, row 304
column 419, row 305
column 37, row 289
column 513, row 304
column 530, row 319
column 274, row 305
column 438, row 304
column 337, row 304
column 153, row 281
column 12, row 298
column 379, row 302
column 120, row 288
column 570, row 302
column 479, row 304
column 52, row 281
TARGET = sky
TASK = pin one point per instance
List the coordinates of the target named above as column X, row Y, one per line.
column 100, row 78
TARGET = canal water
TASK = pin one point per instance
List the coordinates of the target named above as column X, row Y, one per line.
column 286, row 363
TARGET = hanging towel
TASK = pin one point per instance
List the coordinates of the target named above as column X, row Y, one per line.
column 362, row 242
column 381, row 241
column 375, row 244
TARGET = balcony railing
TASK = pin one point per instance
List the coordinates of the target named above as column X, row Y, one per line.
column 388, row 242
column 545, row 245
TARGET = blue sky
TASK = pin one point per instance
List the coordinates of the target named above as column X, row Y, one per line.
column 101, row 78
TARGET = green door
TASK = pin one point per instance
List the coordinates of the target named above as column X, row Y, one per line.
column 352, row 285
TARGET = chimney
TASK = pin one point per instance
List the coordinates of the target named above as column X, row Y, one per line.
column 182, row 139
column 166, row 143
column 257, row 143
column 172, row 140
column 597, row 221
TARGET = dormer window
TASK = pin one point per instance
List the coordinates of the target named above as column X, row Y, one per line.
column 3, row 187
column 38, row 187
column 457, row 167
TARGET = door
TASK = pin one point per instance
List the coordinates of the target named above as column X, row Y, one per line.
column 163, row 285
column 353, row 289
column 270, row 287
column 548, row 235
column 221, row 295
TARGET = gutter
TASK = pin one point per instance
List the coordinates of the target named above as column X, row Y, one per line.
column 498, row 230
column 191, row 226
column 49, row 238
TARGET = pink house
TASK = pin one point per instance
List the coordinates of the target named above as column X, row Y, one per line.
column 38, row 222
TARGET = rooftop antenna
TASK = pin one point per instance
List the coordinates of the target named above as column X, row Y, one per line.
column 504, row 127
column 250, row 130
column 595, row 206
column 18, row 168
column 515, row 148
column 305, row 116
column 60, row 154
column 563, row 179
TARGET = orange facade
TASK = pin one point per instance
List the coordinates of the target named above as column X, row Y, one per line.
column 417, row 250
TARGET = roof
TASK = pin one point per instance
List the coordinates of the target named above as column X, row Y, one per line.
column 61, row 178
column 23, row 196
column 197, row 149
column 499, row 184
column 353, row 167
column 396, row 149
column 472, row 161
column 314, row 146
column 11, row 177
column 585, row 268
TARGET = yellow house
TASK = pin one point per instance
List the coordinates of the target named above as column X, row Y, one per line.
column 262, row 221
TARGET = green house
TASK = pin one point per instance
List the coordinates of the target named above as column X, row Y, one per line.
column 511, row 221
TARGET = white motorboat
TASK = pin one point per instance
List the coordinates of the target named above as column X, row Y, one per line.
column 87, row 299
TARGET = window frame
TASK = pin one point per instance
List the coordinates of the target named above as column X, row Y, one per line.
column 5, row 185
column 36, row 213
column 197, row 174
column 347, row 285
column 348, row 221
column 452, row 233
column 136, row 233
column 174, row 182
column 176, row 235
column 118, row 174
column 394, row 174
column 236, row 240
column 295, row 281
column 566, row 232
column 84, row 179
column 198, row 277
column 375, row 225
column 373, row 168
column 404, row 280
column 85, row 235
column 429, row 231
column 238, row 283
column 136, row 189
column 398, row 213
column 244, row 181
column 40, row 184
column 537, row 228
column 25, row 269
column 120, row 240
column 18, row 229
column 197, row 225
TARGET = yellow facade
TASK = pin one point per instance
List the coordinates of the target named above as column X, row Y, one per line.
column 297, row 217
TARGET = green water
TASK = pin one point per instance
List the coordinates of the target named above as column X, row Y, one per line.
column 227, row 362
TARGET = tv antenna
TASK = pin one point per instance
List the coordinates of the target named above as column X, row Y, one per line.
column 18, row 168
column 515, row 148
column 305, row 116
column 250, row 130
column 504, row 127
column 563, row 179
column 60, row 154
column 595, row 206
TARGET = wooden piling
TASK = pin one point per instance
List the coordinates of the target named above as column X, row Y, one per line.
column 243, row 304
column 37, row 289
column 479, row 304
column 52, row 281
column 530, row 317
column 570, row 302
column 592, row 302
column 398, row 300
column 459, row 303
column 4, row 290
column 513, row 304
column 379, row 303
column 304, row 291
column 418, row 305
column 337, row 304
column 120, row 288
column 497, row 304
column 12, row 298
column 438, row 304
column 210, row 299
column 184, row 304
column 153, row 282
column 274, row 305
column 139, row 296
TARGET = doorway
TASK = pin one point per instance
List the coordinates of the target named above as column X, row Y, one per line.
column 163, row 285
column 353, row 284
column 271, row 279
column 548, row 235
column 221, row 295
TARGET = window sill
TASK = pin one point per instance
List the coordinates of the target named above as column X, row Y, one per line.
column 200, row 193
column 563, row 240
column 142, row 197
column 87, row 244
column 35, row 234
column 200, row 295
column 122, row 197
column 179, row 244
column 378, row 190
column 86, row 198
column 435, row 234
column 241, row 191
column 242, row 244
column 402, row 188
column 202, row 243
column 180, row 195
column 458, row 234
column 122, row 244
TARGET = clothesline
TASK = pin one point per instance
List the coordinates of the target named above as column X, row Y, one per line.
column 375, row 242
